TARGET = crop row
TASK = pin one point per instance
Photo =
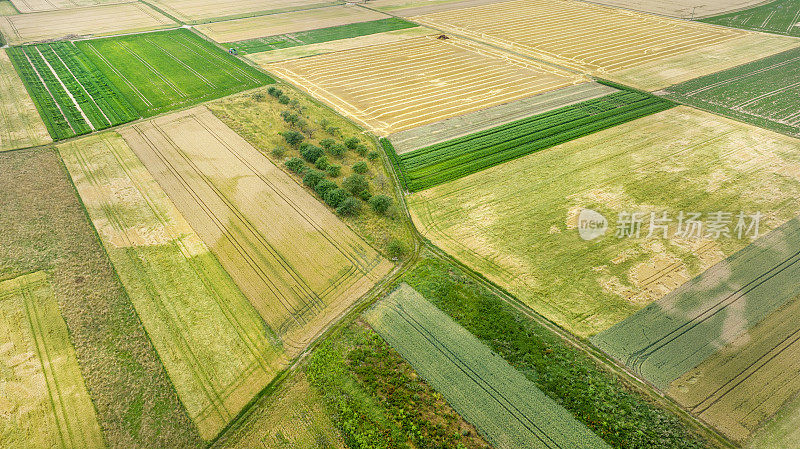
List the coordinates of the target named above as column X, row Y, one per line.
column 444, row 162
column 320, row 35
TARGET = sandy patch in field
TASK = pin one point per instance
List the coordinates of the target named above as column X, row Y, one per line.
column 290, row 22
column 91, row 21
column 397, row 86
column 20, row 123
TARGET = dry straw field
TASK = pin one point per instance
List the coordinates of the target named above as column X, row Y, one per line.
column 607, row 42
column 209, row 337
column 92, row 21
column 20, row 124
column 397, row 86
column 43, row 400
column 684, row 9
column 516, row 222
column 28, row 6
column 208, row 10
column 301, row 271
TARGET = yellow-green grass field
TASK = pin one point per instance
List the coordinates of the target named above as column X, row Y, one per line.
column 20, row 124
column 43, row 400
column 516, row 222
column 215, row 347
column 44, row 226
column 298, row 264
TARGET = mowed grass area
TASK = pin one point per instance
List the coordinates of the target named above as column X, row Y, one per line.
column 488, row 392
column 20, row 123
column 217, row 350
column 44, row 399
column 320, row 35
column 44, row 227
column 763, row 92
column 673, row 335
column 516, row 223
column 297, row 263
column 443, row 162
column 779, row 17
column 161, row 71
column 72, row 95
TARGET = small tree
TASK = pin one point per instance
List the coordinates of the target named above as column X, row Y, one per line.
column 296, row 165
column 352, row 143
column 274, row 91
column 335, row 197
column 361, row 149
column 322, row 163
column 284, row 99
column 290, row 118
column 278, row 151
column 334, row 171
column 258, row 96
column 348, row 207
column 313, row 177
column 373, row 155
column 325, row 186
column 380, row 204
column 337, row 150
column 327, row 143
column 360, row 167
column 396, row 249
column 293, row 138
column 311, row 152
column 356, row 184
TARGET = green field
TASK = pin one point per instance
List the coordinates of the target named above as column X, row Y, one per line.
column 44, row 400
column 623, row 417
column 320, row 35
column 214, row 345
column 764, row 93
column 505, row 406
column 75, row 97
column 45, row 228
column 444, row 162
column 669, row 337
column 779, row 17
column 162, row 71
column 516, row 223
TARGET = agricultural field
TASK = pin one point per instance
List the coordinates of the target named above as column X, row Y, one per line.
column 44, row 227
column 397, row 86
column 463, row 125
column 203, row 11
column 779, row 17
column 159, row 72
column 508, row 410
column 671, row 336
column 407, row 8
column 453, row 159
column 749, row 380
column 763, row 92
column 299, row 273
column 92, row 21
column 684, row 9
column 320, row 35
column 20, row 124
column 212, row 341
column 28, row 6
column 291, row 417
column 516, row 223
column 72, row 95
column 287, row 23
column 619, row 45
column 44, row 400
column 7, row 9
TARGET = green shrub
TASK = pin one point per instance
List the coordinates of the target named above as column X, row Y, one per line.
column 360, row 167
column 322, row 163
column 373, row 155
column 380, row 204
column 327, row 143
column 290, row 118
column 284, row 99
column 313, row 177
column 278, row 151
column 352, row 143
column 356, row 184
column 293, row 138
column 396, row 249
column 296, row 165
column 337, row 150
column 361, row 150
column 335, row 197
column 311, row 152
column 325, row 186
column 334, row 171
column 348, row 207
column 275, row 92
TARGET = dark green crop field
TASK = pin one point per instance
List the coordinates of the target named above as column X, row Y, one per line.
column 765, row 93
column 319, row 35
column 444, row 162
column 161, row 71
column 779, row 17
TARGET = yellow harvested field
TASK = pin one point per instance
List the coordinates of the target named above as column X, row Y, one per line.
column 20, row 123
column 302, row 51
column 684, row 9
column 595, row 39
column 408, row 8
column 401, row 85
column 27, row 6
column 206, row 10
column 43, row 399
column 290, row 22
column 300, row 266
column 92, row 21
